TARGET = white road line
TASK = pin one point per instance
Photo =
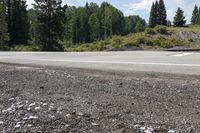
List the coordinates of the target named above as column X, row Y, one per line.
column 105, row 62
column 182, row 54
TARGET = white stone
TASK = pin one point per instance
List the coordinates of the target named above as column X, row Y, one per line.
column 81, row 114
column 142, row 128
column 147, row 131
column 95, row 124
column 33, row 117
column 37, row 108
column 68, row 115
column 149, row 128
column 137, row 125
column 17, row 126
column 29, row 125
column 1, row 122
column 32, row 104
column 171, row 131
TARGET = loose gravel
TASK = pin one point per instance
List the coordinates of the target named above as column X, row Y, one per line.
column 61, row 100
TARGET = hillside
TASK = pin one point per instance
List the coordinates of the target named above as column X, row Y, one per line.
column 159, row 38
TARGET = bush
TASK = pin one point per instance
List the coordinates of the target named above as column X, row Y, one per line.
column 161, row 29
column 150, row 31
column 117, row 40
column 4, row 47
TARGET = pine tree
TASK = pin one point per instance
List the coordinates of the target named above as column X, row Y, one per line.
column 198, row 17
column 169, row 23
column 195, row 15
column 179, row 19
column 50, row 29
column 156, row 13
column 153, row 13
column 162, row 13
column 3, row 25
column 19, row 28
column 94, row 25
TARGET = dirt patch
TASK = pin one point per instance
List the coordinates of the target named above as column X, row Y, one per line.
column 52, row 100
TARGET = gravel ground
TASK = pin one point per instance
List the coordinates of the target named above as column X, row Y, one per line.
column 58, row 100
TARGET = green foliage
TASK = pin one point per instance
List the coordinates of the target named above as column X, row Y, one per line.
column 26, row 48
column 50, row 27
column 134, row 24
column 19, row 23
column 158, row 14
column 161, row 29
column 195, row 15
column 179, row 19
column 3, row 28
column 150, row 31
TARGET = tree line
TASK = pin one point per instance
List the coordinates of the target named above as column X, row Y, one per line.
column 158, row 15
column 50, row 25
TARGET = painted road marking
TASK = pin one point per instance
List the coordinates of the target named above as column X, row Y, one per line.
column 182, row 54
column 104, row 62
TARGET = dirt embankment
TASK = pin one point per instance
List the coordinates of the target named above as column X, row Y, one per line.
column 51, row 100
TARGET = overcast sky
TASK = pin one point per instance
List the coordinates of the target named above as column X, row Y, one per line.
column 140, row 7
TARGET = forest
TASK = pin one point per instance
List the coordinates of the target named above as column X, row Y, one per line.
column 51, row 26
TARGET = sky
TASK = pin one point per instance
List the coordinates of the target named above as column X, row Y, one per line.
column 140, row 7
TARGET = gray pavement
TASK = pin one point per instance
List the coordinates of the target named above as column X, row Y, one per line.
column 145, row 61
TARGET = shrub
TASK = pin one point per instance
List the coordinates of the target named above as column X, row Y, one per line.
column 161, row 29
column 150, row 31
column 4, row 47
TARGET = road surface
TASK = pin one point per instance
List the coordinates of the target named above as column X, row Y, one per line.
column 145, row 61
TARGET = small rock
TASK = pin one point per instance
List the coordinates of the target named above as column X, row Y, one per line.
column 41, row 87
column 29, row 125
column 32, row 104
column 147, row 131
column 17, row 126
column 149, row 128
column 80, row 114
column 95, row 124
column 37, row 108
column 142, row 128
column 11, row 99
column 44, row 104
column 68, row 115
column 171, row 131
column 67, row 125
column 137, row 125
column 33, row 117
column 1, row 122
column 52, row 116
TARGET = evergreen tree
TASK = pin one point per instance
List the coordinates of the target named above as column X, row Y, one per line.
column 169, row 23
column 179, row 19
column 50, row 29
column 19, row 26
column 198, row 17
column 152, row 19
column 94, row 25
column 153, row 15
column 162, row 13
column 3, row 25
column 195, row 15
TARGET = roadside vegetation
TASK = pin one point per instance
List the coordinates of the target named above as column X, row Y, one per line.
column 158, row 38
column 51, row 26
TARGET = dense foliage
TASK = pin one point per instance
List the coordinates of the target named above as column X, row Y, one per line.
column 179, row 19
column 196, row 15
column 158, row 14
column 3, row 24
column 51, row 26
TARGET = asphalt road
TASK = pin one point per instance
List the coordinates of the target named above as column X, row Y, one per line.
column 145, row 61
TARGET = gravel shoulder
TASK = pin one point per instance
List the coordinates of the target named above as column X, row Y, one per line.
column 60, row 100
